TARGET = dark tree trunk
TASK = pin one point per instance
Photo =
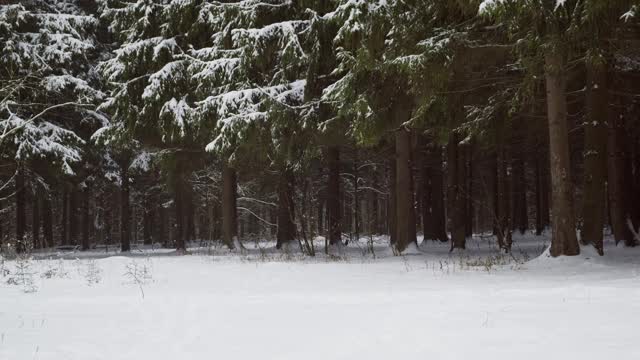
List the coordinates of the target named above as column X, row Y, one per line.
column 503, row 199
column 64, row 240
column 47, row 222
column 540, row 194
column 469, row 210
column 73, row 216
column 619, row 184
column 147, row 223
column 229, row 207
column 333, row 196
column 455, row 194
column 86, row 219
column 595, row 157
column 21, row 216
column 433, row 209
column 564, row 240
column 519, row 180
column 35, row 216
column 405, row 211
column 286, row 214
column 391, row 212
column 125, row 214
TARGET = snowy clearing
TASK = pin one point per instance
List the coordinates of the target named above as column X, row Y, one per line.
column 270, row 305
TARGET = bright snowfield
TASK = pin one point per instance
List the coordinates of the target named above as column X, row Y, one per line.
column 265, row 304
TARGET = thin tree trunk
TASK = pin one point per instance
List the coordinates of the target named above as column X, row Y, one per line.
column 147, row 223
column 286, row 214
column 333, row 196
column 47, row 222
column 503, row 199
column 229, row 207
column 73, row 215
column 35, row 216
column 405, row 212
column 125, row 211
column 455, row 194
column 563, row 241
column 21, row 217
column 86, row 219
column 595, row 156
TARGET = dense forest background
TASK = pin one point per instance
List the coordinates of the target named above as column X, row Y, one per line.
column 170, row 121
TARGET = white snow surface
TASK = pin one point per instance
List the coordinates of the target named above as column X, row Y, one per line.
column 265, row 304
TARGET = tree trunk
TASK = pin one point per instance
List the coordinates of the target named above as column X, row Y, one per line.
column 540, row 194
column 86, row 219
column 47, row 222
column 405, row 212
column 519, row 180
column 391, row 211
column 333, row 196
column 21, row 217
column 125, row 211
column 503, row 199
column 229, row 207
column 433, row 210
column 73, row 216
column 595, row 156
column 469, row 210
column 563, row 241
column 147, row 223
column 455, row 194
column 35, row 216
column 286, row 214
column 619, row 184
column 65, row 218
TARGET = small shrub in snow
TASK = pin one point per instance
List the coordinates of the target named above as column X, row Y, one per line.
column 138, row 274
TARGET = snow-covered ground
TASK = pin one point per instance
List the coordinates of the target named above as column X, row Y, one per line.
column 265, row 304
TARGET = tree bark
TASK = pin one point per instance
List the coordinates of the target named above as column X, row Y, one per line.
column 21, row 217
column 286, row 214
column 595, row 156
column 86, row 219
column 333, row 196
column 503, row 199
column 229, row 207
column 147, row 223
column 47, row 222
column 433, row 210
column 619, row 184
column 455, row 192
column 564, row 240
column 405, row 212
column 125, row 211
column 35, row 217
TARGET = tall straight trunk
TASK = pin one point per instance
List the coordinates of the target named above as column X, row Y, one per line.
column 564, row 240
column 320, row 218
column 374, row 224
column 163, row 231
column 520, row 217
column 391, row 211
column 73, row 216
column 86, row 219
column 469, row 210
column 455, row 191
column 405, row 212
column 539, row 197
column 356, row 198
column 433, row 210
column 595, row 156
column 125, row 214
column 619, row 184
column 229, row 207
column 64, row 239
column 35, row 217
column 147, row 223
column 286, row 214
column 333, row 196
column 47, row 222
column 181, row 213
column 503, row 199
column 21, row 216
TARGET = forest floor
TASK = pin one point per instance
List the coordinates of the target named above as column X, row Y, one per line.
column 268, row 304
